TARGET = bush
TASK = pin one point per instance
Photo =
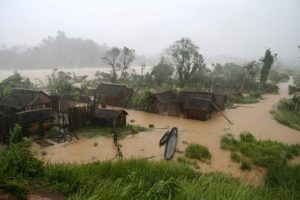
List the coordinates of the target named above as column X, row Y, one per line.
column 255, row 94
column 16, row 134
column 245, row 165
column 235, row 157
column 197, row 151
column 228, row 142
column 287, row 114
column 272, row 155
column 18, row 161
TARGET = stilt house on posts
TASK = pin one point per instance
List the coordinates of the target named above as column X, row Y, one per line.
column 191, row 105
column 110, row 117
column 113, row 94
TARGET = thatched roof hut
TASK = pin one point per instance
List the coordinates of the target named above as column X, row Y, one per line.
column 24, row 99
column 187, row 102
column 115, row 94
column 106, row 117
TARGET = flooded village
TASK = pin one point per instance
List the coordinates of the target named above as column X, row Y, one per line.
column 199, row 117
column 160, row 100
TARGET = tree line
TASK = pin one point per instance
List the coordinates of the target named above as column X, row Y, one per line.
column 182, row 67
column 55, row 52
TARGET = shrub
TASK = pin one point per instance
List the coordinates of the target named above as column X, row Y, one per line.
column 228, row 142
column 197, row 151
column 16, row 134
column 245, row 165
column 235, row 157
column 287, row 114
column 255, row 94
column 18, row 161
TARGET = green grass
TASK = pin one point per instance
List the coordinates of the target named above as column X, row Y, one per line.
column 142, row 179
column 287, row 112
column 269, row 154
column 263, row 153
column 287, row 117
column 228, row 142
column 245, row 165
column 93, row 131
column 186, row 161
column 253, row 97
column 235, row 157
column 197, row 151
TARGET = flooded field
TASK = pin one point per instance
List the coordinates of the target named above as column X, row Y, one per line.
column 255, row 118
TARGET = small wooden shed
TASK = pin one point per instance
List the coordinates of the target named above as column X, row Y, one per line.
column 106, row 117
column 114, row 94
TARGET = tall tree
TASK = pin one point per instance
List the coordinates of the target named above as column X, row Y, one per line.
column 267, row 61
column 162, row 71
column 111, row 59
column 252, row 69
column 126, row 58
column 187, row 59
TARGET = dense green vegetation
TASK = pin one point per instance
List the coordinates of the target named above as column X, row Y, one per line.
column 197, row 151
column 269, row 154
column 91, row 131
column 14, row 81
column 288, row 112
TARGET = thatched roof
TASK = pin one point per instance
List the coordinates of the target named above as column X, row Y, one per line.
column 109, row 113
column 172, row 97
column 165, row 97
column 20, row 98
column 110, row 89
column 197, row 104
column 182, row 96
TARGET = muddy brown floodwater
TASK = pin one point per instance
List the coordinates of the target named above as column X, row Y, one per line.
column 256, row 118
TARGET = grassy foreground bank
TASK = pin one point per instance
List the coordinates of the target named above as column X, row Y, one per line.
column 21, row 172
column 141, row 179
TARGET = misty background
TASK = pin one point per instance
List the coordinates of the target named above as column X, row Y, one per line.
column 48, row 34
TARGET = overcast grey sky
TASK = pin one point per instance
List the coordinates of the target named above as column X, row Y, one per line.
column 241, row 28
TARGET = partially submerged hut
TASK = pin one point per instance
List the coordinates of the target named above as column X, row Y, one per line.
column 193, row 105
column 200, row 109
column 24, row 99
column 110, row 117
column 113, row 94
column 35, row 121
column 165, row 102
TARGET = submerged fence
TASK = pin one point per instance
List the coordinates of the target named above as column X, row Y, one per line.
column 80, row 117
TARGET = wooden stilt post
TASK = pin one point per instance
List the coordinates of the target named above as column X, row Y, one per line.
column 115, row 135
column 216, row 107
